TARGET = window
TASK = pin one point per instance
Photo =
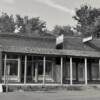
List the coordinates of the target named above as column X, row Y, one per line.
column 12, row 67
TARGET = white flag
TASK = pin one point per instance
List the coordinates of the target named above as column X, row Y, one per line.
column 60, row 39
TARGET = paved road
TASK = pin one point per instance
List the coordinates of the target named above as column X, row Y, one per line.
column 53, row 95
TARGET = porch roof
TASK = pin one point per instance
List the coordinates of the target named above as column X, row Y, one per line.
column 55, row 52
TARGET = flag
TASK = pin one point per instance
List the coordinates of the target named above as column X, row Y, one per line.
column 59, row 41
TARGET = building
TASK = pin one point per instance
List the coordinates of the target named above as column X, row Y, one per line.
column 26, row 60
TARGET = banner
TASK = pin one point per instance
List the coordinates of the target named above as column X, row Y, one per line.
column 60, row 39
column 59, row 42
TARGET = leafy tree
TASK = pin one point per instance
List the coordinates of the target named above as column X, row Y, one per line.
column 20, row 22
column 6, row 23
column 66, row 30
column 86, row 18
column 37, row 24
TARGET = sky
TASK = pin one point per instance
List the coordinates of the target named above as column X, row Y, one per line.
column 54, row 12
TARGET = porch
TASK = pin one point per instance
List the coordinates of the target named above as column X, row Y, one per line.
column 24, row 69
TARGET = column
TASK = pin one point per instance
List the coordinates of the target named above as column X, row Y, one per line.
column 71, row 72
column 61, row 70
column 1, row 66
column 44, row 69
column 36, row 73
column 19, row 71
column 5, row 67
column 99, row 70
column 85, row 71
column 25, row 69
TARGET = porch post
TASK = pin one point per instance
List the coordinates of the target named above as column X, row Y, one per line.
column 36, row 73
column 99, row 70
column 44, row 69
column 71, row 72
column 19, row 63
column 5, row 67
column 1, row 66
column 85, row 71
column 61, row 70
column 25, row 69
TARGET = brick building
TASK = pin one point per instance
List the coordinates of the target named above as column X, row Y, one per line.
column 26, row 60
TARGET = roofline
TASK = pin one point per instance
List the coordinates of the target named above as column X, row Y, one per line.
column 23, row 36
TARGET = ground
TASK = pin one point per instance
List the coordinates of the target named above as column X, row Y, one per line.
column 89, row 94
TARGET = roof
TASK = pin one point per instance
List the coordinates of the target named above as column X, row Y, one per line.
column 75, row 43
column 54, row 52
column 73, row 46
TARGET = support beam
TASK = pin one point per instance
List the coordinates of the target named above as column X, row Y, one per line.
column 19, row 69
column 71, row 71
column 44, row 69
column 25, row 69
column 61, row 70
column 99, row 69
column 5, row 67
column 1, row 66
column 36, row 73
column 85, row 71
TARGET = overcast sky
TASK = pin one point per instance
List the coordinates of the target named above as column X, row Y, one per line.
column 52, row 11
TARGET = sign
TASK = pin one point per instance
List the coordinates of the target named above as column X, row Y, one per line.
column 59, row 39
column 86, row 39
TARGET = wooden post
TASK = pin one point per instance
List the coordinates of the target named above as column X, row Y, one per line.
column 44, row 69
column 19, row 63
column 85, row 71
column 36, row 73
column 25, row 70
column 61, row 70
column 71, row 72
column 99, row 70
column 1, row 67
column 5, row 67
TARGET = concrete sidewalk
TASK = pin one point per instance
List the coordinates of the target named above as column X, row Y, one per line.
column 89, row 94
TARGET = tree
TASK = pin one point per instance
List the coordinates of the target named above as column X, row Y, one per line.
column 20, row 22
column 37, row 25
column 66, row 30
column 86, row 17
column 6, row 23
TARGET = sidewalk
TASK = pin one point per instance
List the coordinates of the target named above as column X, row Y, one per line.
column 89, row 94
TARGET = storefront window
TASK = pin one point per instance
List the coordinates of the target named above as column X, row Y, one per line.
column 12, row 67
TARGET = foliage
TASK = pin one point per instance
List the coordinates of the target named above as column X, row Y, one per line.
column 29, row 26
column 66, row 30
column 87, row 20
column 6, row 23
